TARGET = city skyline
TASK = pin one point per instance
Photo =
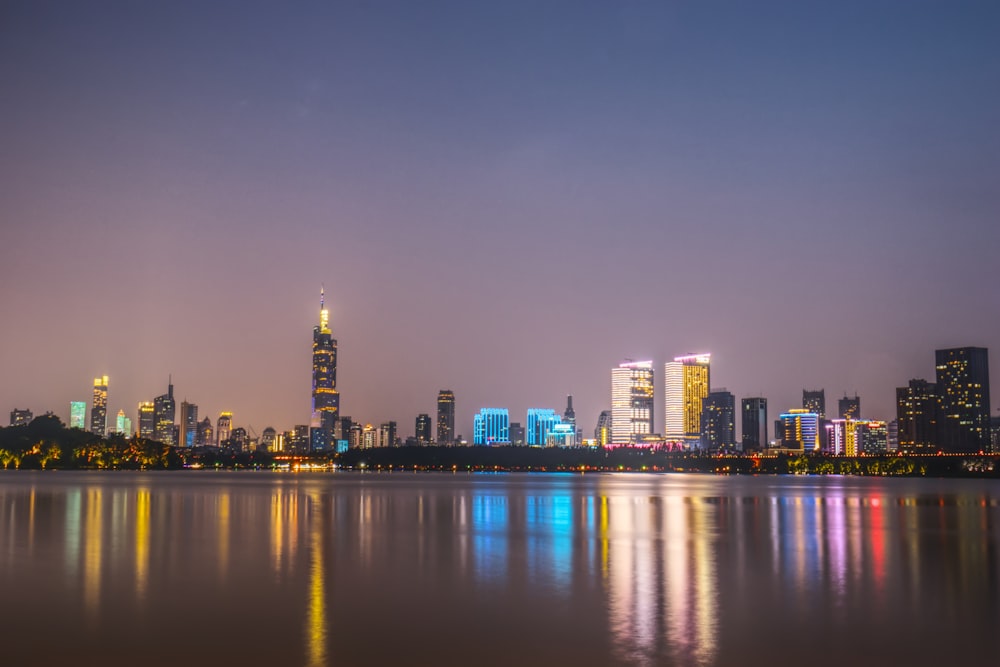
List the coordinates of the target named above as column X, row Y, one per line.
column 483, row 189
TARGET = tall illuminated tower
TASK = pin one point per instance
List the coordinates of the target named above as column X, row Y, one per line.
column 446, row 417
column 164, row 412
column 99, row 410
column 147, row 420
column 325, row 397
column 963, row 386
column 686, row 384
column 631, row 401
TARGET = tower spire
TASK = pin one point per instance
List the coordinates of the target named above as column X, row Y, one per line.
column 324, row 314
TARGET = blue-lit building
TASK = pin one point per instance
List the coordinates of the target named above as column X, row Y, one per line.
column 540, row 423
column 801, row 430
column 491, row 427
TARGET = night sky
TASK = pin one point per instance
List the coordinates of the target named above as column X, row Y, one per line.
column 505, row 199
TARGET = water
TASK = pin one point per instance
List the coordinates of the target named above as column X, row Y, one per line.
column 437, row 569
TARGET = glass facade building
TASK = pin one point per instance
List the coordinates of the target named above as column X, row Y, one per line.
column 631, row 402
column 491, row 427
column 686, row 382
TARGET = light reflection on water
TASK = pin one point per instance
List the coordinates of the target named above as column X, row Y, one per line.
column 532, row 569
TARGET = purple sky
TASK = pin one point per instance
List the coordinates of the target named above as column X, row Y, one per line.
column 504, row 199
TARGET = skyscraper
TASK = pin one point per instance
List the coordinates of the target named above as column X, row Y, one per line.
column 206, row 438
column 602, row 433
column 164, row 411
column 754, row 424
column 631, row 401
column 147, row 420
column 99, row 409
column 849, row 408
column 123, row 425
column 963, row 385
column 189, row 424
column 423, row 429
column 387, row 434
column 78, row 414
column 325, row 397
column 540, row 422
column 814, row 400
column 685, row 384
column 223, row 429
column 718, row 420
column 917, row 414
column 446, row 417
column 491, row 427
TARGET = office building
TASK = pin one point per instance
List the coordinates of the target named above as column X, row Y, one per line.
column 188, row 424
column 369, row 437
column 517, row 434
column 147, row 420
column 387, row 434
column 995, row 434
column 20, row 417
column 491, row 427
column 238, row 439
column 540, row 422
column 800, row 430
column 325, row 397
column 686, row 381
column 123, row 425
column 842, row 437
column 963, row 386
column 267, row 439
column 849, row 408
column 602, row 433
column 423, row 429
column 754, row 411
column 446, row 417
column 78, row 414
column 223, row 429
column 814, row 401
column 206, row 434
column 718, row 421
column 873, row 437
column 99, row 407
column 631, row 401
column 164, row 412
column 561, row 434
column 917, row 414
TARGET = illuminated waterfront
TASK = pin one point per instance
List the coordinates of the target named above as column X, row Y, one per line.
column 541, row 569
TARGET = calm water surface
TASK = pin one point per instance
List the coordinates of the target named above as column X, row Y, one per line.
column 435, row 569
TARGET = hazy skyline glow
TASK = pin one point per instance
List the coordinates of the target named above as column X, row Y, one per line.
column 505, row 200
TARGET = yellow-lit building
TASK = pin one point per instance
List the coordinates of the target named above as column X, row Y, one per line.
column 686, row 384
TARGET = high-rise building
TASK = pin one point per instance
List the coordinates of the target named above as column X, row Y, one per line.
column 814, row 400
column 801, row 430
column 20, row 417
column 223, row 429
column 849, row 407
column 325, row 397
column 147, row 420
column 369, row 437
column 165, row 410
column 299, row 438
column 123, row 425
column 540, row 422
column 238, row 439
column 963, row 385
column 206, row 436
column 686, row 382
column 873, row 437
column 491, row 427
column 446, row 417
column 917, row 414
column 893, row 436
column 631, row 401
column 602, row 434
column 842, row 437
column 354, row 433
column 267, row 439
column 754, row 411
column 99, row 408
column 188, row 425
column 995, row 434
column 78, row 414
column 718, row 421
column 423, row 429
column 387, row 434
column 569, row 417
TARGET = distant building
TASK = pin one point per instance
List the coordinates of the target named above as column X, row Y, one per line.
column 569, row 417
column 842, row 437
column 99, row 409
column 446, row 417
column 78, row 414
column 147, row 420
column 893, row 436
column 517, row 434
column 686, row 382
column 491, row 427
column 917, row 414
column 299, row 439
column 561, row 434
column 873, row 437
column 20, row 417
column 801, row 430
column 188, row 424
column 223, row 428
column 206, row 436
column 849, row 407
column 267, row 439
column 238, row 439
column 602, row 433
column 963, row 386
column 718, row 421
column 354, row 436
column 540, row 422
column 995, row 434
column 369, row 437
column 754, row 411
column 422, row 429
column 387, row 434
column 631, row 401
column 814, row 400
column 123, row 425
column 325, row 397
column 164, row 412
